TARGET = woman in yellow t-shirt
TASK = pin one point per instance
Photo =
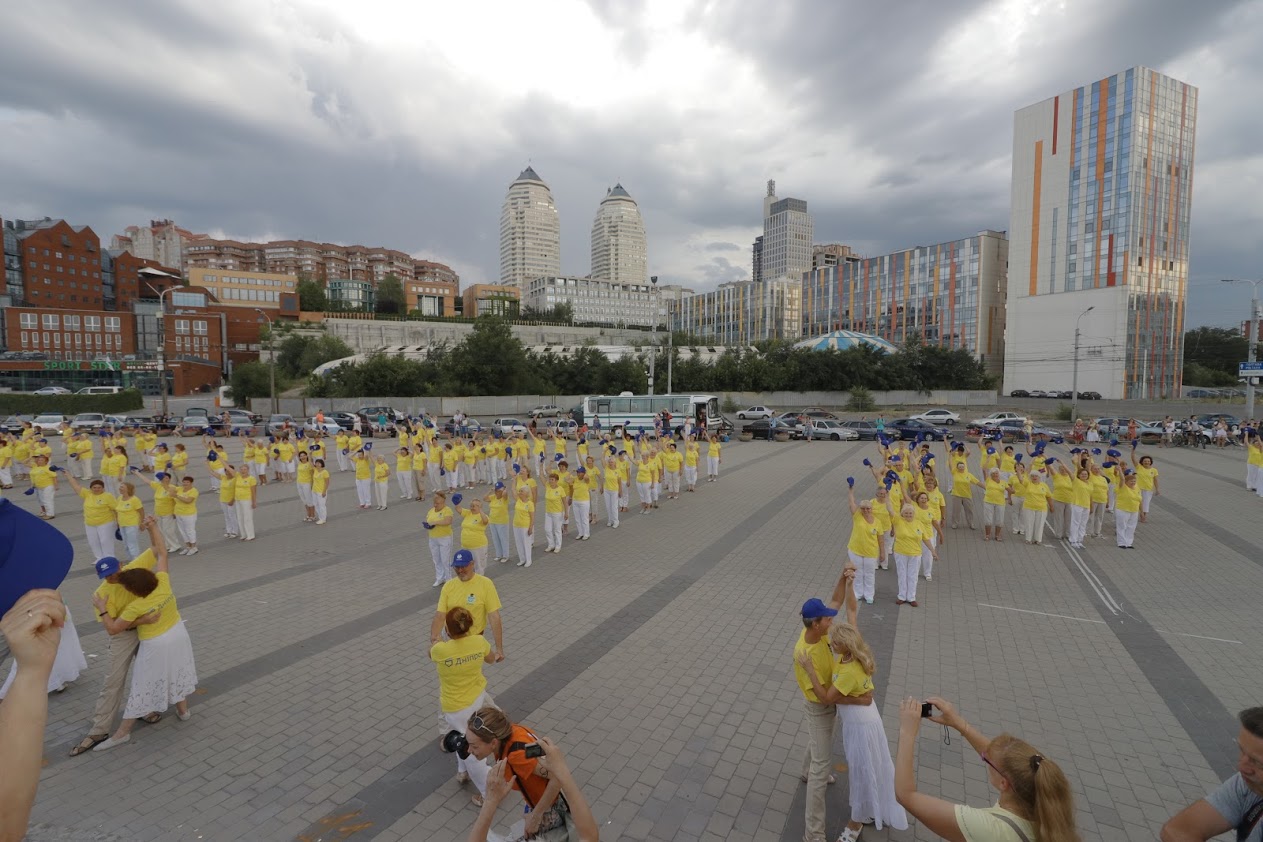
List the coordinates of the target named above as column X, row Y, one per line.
column 303, row 469
column 180, row 460
column 320, row 490
column 1146, row 481
column 995, row 501
column 912, row 536
column 245, row 499
column 1036, row 504
column 926, row 512
column 1080, row 501
column 644, row 481
column 438, row 523
column 164, row 671
column 164, row 509
column 99, row 521
column 228, row 500
column 1100, row 484
column 524, row 524
column 381, row 481
column 881, row 511
column 473, row 532
column 498, row 519
column 850, row 688
column 186, row 515
column 363, row 478
column 713, row 458
column 1127, row 501
column 462, row 686
column 403, row 472
column 554, row 512
column 113, row 464
column 130, row 511
column 864, row 546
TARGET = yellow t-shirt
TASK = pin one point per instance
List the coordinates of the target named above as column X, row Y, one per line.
column 98, row 509
column 161, row 462
column 1100, row 488
column 882, row 514
column 163, row 502
column 363, row 469
column 287, row 451
column 985, row 825
column 381, row 472
column 1063, row 488
column 189, row 508
column 690, row 455
column 821, row 660
column 1081, row 493
column 431, row 516
column 228, row 490
column 644, row 472
column 42, row 476
column 581, row 489
column 417, row 462
column 478, row 596
column 849, row 678
column 179, row 460
column 128, row 511
column 1126, row 498
column 963, row 484
column 1037, row 494
column 498, row 509
column 162, row 600
column 459, row 663
column 6, row 456
column 909, row 535
column 995, row 492
column 523, row 513
column 938, row 501
column 243, row 488
column 403, row 462
column 473, row 532
column 354, row 443
column 713, row 449
column 118, row 597
column 319, row 480
column 303, row 473
column 1145, row 477
column 554, row 499
column 864, row 543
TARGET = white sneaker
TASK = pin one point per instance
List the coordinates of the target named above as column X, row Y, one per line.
column 192, row 551
column 437, row 582
column 927, row 577
column 320, row 523
column 182, row 551
column 521, row 562
column 528, row 564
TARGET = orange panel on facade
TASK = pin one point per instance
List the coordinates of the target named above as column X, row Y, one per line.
column 1102, row 125
column 1035, row 200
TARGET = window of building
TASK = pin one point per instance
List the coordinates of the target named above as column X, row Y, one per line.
column 78, row 341
column 70, row 322
column 181, row 325
column 91, row 322
column 50, row 321
column 112, row 324
column 25, row 337
column 29, row 320
column 199, row 327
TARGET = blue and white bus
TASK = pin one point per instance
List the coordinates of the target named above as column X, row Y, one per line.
column 615, row 412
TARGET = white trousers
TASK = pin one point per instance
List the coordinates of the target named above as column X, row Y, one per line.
column 364, row 491
column 553, row 522
column 501, row 538
column 908, row 567
column 458, row 720
column 1145, row 498
column 305, row 493
column 673, row 482
column 993, row 514
column 690, row 475
column 404, row 479
column 245, row 518
column 480, row 558
column 47, row 499
column 1019, row 513
column 111, row 485
column 342, row 463
column 101, row 539
column 581, row 509
column 1125, row 527
column 865, row 583
column 6, row 476
column 927, row 555
column 611, row 508
column 382, row 490
column 1251, row 477
column 188, row 527
column 644, row 492
column 321, row 503
column 1033, row 524
column 170, row 533
column 230, row 518
column 1078, row 524
column 131, row 540
column 523, row 542
column 84, row 464
column 1097, row 519
column 712, row 466
column 441, row 555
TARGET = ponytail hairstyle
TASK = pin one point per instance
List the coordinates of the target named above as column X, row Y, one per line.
column 847, row 641
column 1039, row 786
column 459, row 621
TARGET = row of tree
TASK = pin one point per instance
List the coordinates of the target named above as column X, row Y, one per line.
column 388, row 299
column 1212, row 356
column 491, row 361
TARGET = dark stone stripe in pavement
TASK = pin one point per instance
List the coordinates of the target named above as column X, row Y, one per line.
column 1235, row 483
column 392, row 796
column 1198, row 710
column 1246, row 549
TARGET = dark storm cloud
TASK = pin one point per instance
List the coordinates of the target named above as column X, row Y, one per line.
column 894, row 120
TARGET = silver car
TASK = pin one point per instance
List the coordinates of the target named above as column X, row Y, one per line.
column 505, row 426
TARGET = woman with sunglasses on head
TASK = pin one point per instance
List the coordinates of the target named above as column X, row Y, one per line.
column 871, row 773
column 462, row 687
column 581, row 827
column 1035, row 804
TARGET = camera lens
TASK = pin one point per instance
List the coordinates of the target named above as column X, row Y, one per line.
column 454, row 742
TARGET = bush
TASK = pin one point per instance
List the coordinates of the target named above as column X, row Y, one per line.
column 1064, row 412
column 26, row 404
column 861, row 400
column 729, row 405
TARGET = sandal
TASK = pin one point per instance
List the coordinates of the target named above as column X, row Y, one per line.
column 476, row 800
column 151, row 718
column 89, row 742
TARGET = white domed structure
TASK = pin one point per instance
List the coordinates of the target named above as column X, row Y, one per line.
column 619, row 251
column 842, row 339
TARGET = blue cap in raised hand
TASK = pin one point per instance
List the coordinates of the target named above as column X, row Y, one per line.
column 28, row 492
column 368, row 445
column 345, row 451
column 456, row 498
column 212, row 457
column 868, row 464
column 1096, row 451
column 1113, row 442
column 1017, row 457
column 426, row 525
column 850, row 482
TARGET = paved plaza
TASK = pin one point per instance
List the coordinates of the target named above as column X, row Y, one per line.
column 658, row 656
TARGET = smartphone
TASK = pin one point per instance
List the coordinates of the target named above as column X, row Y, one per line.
column 927, row 710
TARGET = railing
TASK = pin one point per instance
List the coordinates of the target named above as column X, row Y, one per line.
column 411, row 317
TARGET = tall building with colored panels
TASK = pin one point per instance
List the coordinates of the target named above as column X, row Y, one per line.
column 949, row 294
column 1101, row 200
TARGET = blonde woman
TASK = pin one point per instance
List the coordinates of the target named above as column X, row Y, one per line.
column 130, row 511
column 381, row 481
column 302, row 473
column 246, row 500
column 228, row 500
column 186, row 515
column 403, row 472
column 554, row 512
column 320, row 491
column 473, row 532
column 864, row 546
column 113, row 464
column 438, row 523
column 644, row 482
column 524, row 524
column 612, row 485
column 1037, row 502
column 363, row 478
column 911, row 538
column 164, row 509
column 498, row 517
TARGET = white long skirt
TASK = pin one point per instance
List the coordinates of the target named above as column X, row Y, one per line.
column 164, row 673
column 872, row 772
column 67, row 665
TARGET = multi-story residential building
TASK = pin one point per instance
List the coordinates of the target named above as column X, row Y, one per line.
column 787, row 237
column 430, row 297
column 619, row 250
column 245, row 289
column 491, row 300
column 948, row 294
column 320, row 262
column 831, row 254
column 741, row 313
column 162, row 241
column 594, row 300
column 530, row 231
column 756, row 263
column 349, row 294
column 1099, row 230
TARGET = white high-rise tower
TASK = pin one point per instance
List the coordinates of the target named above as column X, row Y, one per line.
column 530, row 232
column 619, row 252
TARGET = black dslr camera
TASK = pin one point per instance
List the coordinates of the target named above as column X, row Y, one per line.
column 454, row 742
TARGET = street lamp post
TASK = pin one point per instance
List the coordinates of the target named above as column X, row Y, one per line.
column 151, row 273
column 1074, row 377
column 1253, row 340
column 653, row 331
column 271, row 359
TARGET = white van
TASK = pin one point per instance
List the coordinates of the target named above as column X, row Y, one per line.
column 99, row 390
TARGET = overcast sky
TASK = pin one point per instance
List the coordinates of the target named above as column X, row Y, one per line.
column 402, row 123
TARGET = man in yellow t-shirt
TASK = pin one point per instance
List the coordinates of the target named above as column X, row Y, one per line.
column 476, row 594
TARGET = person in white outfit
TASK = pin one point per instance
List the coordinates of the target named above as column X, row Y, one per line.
column 228, row 500
column 246, row 497
column 99, row 519
column 864, row 545
column 403, row 473
column 462, row 687
column 438, row 523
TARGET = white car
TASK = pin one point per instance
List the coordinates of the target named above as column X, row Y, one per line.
column 329, row 428
column 823, row 428
column 545, row 410
column 52, row 390
column 938, row 416
column 50, row 422
column 508, row 425
column 997, row 417
column 754, row 413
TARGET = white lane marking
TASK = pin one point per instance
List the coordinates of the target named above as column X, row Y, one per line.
column 1096, row 584
column 1041, row 613
column 1201, row 637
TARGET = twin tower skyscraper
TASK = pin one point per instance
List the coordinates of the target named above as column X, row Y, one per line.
column 530, row 235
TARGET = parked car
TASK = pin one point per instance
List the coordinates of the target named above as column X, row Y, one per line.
column 1146, row 432
column 568, row 427
column 195, row 425
column 329, row 428
column 1019, row 393
column 1011, row 430
column 1038, row 393
column 52, row 390
column 472, row 427
column 824, row 428
column 87, row 422
column 910, row 428
column 1090, row 396
column 767, row 428
column 817, row 412
column 508, row 425
column 13, row 424
column 996, row 417
column 99, row 390
column 754, row 413
column 279, row 421
column 544, row 410
column 1206, row 420
column 939, row 417
column 788, row 419
column 49, row 421
column 867, row 430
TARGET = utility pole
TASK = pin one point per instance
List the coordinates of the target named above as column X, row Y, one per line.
column 272, row 358
column 653, row 331
column 1253, row 340
column 1074, row 377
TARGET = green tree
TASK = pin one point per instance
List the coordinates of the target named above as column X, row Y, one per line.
column 1216, row 348
column 491, row 361
column 249, row 380
column 311, row 295
column 390, row 297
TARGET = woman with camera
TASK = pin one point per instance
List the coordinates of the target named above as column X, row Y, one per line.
column 1035, row 800
column 519, row 754
column 581, row 828
column 462, row 687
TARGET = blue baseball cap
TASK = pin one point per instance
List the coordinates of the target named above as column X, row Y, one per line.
column 463, row 558
column 499, row 485
column 814, row 609
column 33, row 554
column 107, row 566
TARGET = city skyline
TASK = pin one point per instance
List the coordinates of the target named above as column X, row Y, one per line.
column 329, row 147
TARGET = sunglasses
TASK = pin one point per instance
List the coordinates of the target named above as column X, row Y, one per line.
column 477, row 724
column 986, row 760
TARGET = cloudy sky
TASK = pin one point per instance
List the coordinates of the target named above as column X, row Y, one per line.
column 402, row 123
